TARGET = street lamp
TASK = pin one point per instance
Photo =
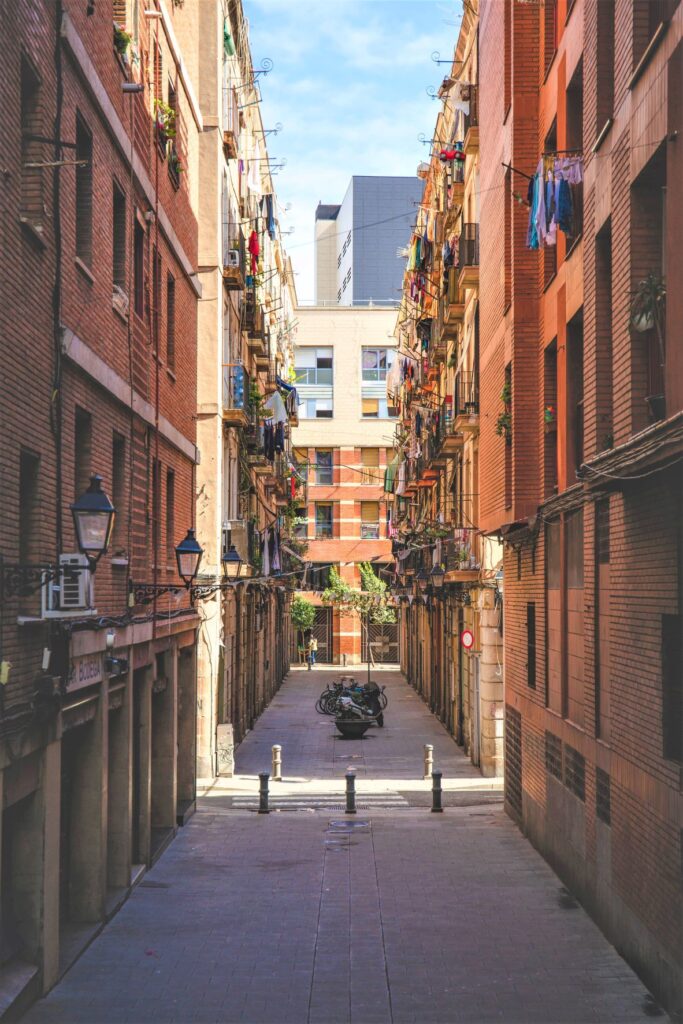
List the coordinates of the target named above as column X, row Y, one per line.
column 93, row 516
column 232, row 563
column 438, row 574
column 422, row 579
column 188, row 556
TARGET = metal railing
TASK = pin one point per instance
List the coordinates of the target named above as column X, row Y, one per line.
column 233, row 241
column 469, row 246
column 466, row 394
column 235, row 387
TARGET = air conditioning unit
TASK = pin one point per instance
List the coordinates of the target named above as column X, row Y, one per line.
column 233, row 258
column 71, row 594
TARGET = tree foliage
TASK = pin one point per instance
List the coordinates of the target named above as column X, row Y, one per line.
column 303, row 613
column 373, row 600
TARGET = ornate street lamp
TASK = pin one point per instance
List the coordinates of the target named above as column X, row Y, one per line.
column 188, row 556
column 93, row 516
column 438, row 574
column 422, row 580
column 232, row 563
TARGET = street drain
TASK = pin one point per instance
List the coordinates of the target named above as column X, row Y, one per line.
column 347, row 826
column 154, row 885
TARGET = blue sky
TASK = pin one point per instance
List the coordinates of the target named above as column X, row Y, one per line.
column 349, row 86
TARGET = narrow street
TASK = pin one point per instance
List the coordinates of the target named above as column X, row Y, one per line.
column 298, row 917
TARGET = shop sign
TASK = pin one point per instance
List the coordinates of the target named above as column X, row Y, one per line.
column 87, row 671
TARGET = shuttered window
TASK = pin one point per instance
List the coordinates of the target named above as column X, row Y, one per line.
column 83, row 191
column 370, row 463
column 32, row 151
column 119, row 238
column 170, row 322
column 121, row 13
column 369, row 520
column 531, row 644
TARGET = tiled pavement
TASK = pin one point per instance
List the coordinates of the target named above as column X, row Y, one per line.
column 294, row 918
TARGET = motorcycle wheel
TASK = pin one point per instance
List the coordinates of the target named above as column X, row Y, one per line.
column 380, row 720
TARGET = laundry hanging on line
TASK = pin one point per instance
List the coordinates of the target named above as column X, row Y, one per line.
column 551, row 198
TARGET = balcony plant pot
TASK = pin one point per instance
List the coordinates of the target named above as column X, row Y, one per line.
column 352, row 729
column 657, row 406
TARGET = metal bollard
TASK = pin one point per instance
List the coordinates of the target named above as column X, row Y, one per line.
column 436, row 793
column 428, row 760
column 277, row 763
column 350, row 792
column 263, row 793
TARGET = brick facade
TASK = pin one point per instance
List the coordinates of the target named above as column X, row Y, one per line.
column 590, row 515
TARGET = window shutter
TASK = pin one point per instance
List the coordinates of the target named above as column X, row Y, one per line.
column 369, row 511
column 120, row 12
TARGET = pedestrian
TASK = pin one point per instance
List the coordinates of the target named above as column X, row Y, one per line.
column 313, row 649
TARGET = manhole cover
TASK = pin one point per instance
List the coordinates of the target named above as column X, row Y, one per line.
column 347, row 826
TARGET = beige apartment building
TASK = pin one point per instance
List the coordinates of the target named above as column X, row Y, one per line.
column 244, row 358
column 342, row 445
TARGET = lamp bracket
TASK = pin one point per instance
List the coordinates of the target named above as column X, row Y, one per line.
column 21, row 579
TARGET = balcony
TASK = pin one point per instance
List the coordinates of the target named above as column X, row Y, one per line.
column 231, row 122
column 235, row 395
column 461, row 554
column 451, row 307
column 234, row 258
column 471, row 144
column 254, row 445
column 448, row 440
column 466, row 403
column 469, row 257
column 252, row 323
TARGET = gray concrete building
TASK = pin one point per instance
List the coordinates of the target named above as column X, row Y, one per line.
column 356, row 242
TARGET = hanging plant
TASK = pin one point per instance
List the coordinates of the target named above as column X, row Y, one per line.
column 504, row 425
column 122, row 40
column 549, row 414
column 506, row 393
column 174, row 163
column 165, row 120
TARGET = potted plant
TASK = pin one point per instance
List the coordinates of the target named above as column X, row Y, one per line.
column 175, row 167
column 504, row 421
column 550, row 419
column 647, row 313
column 165, row 122
column 122, row 40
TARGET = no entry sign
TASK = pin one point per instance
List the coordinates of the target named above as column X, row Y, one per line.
column 467, row 639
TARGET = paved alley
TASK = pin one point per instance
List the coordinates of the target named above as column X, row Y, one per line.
column 305, row 915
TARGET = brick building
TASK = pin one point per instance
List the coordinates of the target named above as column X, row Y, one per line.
column 99, row 310
column 246, row 329
column 583, row 480
column 446, row 567
column 341, row 359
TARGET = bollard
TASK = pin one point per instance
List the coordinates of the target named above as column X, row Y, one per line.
column 350, row 792
column 277, row 763
column 263, row 793
column 428, row 760
column 436, row 793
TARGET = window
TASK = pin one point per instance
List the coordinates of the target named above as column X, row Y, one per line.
column 531, row 644
column 606, row 24
column 119, row 238
column 158, row 68
column 170, row 517
column 508, row 439
column 603, row 334
column 82, row 451
column 301, row 523
column 316, row 408
column 377, row 408
column 170, row 322
column 323, row 464
column 553, row 755
column 32, row 151
column 603, row 798
column 319, row 573
column 29, row 520
column 118, row 491
column 156, row 507
column 550, row 31
column 369, row 520
column 323, row 520
column 574, row 772
column 313, row 365
column 301, row 460
column 139, row 268
column 376, row 362
column 575, row 387
column 156, row 296
column 370, row 462
column 83, row 192
column 602, row 620
column 550, row 418
column 672, row 688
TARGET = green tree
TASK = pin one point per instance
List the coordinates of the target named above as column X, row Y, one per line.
column 303, row 617
column 372, row 602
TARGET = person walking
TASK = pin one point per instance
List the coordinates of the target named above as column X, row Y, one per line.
column 312, row 650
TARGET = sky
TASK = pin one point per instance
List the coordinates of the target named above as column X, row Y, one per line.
column 349, row 86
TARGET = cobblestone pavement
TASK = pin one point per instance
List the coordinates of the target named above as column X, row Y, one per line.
column 307, row 916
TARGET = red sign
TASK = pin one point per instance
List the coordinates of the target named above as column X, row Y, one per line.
column 467, row 639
